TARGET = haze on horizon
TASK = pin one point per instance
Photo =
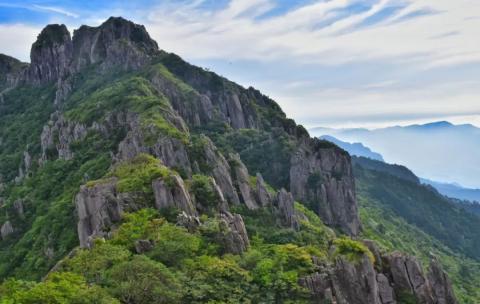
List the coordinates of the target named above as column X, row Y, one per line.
column 339, row 63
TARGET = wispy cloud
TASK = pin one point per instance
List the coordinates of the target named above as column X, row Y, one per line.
column 54, row 9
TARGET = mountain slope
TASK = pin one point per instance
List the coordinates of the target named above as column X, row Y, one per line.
column 401, row 213
column 129, row 175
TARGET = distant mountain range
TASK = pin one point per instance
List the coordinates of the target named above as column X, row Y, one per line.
column 438, row 151
column 357, row 149
column 454, row 190
column 363, row 153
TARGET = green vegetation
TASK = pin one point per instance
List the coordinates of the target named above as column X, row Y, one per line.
column 352, row 250
column 392, row 231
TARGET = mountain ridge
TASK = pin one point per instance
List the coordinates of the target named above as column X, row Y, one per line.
column 172, row 168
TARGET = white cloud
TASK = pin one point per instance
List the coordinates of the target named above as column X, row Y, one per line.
column 235, row 32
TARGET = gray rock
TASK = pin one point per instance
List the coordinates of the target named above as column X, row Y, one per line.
column 440, row 283
column 242, row 179
column 320, row 287
column 19, row 209
column 385, row 290
column 234, row 234
column 171, row 151
column 408, row 277
column 6, row 230
column 324, row 175
column 98, row 208
column 372, row 246
column 355, row 283
column 50, row 56
column 58, row 135
column 286, row 207
column 117, row 42
column 220, row 170
column 172, row 193
column 263, row 196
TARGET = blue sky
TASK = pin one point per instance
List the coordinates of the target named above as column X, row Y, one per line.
column 337, row 63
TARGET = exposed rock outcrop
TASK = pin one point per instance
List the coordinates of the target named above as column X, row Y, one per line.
column 355, row 283
column 98, row 207
column 242, row 180
column 323, row 175
column 19, row 208
column 58, row 135
column 6, row 229
column 170, row 150
column 117, row 42
column 398, row 279
column 440, row 283
column 264, row 197
column 50, row 56
column 286, row 208
column 172, row 193
column 234, row 234
column 220, row 170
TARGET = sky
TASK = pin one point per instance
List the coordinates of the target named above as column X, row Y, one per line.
column 337, row 63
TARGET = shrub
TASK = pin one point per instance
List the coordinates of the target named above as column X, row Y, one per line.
column 351, row 249
column 142, row 280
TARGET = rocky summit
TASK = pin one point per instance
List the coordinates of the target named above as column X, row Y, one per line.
column 132, row 176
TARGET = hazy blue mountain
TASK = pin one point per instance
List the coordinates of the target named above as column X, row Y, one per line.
column 438, row 151
column 454, row 190
column 357, row 149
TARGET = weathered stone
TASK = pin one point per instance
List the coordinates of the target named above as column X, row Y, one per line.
column 233, row 233
column 19, row 209
column 117, row 42
column 58, row 135
column 142, row 246
column 6, row 229
column 372, row 246
column 286, row 208
column 50, row 55
column 171, row 151
column 408, row 277
column 263, row 196
column 385, row 290
column 323, row 174
column 355, row 283
column 440, row 283
column 320, row 287
column 220, row 170
column 172, row 193
column 97, row 208
column 242, row 179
